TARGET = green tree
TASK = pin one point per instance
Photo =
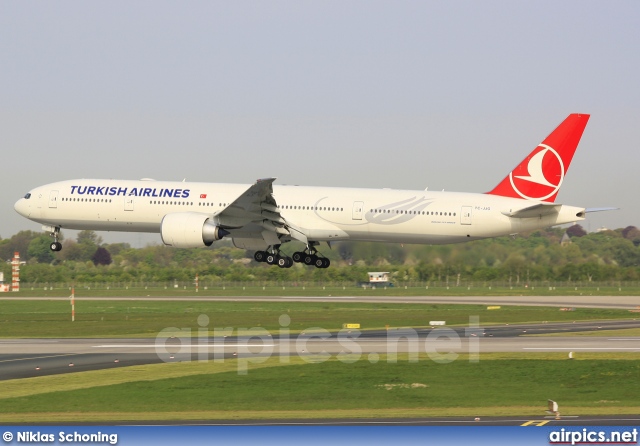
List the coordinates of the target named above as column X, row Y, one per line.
column 89, row 237
column 87, row 243
column 17, row 243
column 626, row 253
column 72, row 251
column 39, row 249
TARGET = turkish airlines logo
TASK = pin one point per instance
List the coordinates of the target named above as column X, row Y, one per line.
column 545, row 173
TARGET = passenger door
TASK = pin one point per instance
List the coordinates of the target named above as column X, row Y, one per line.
column 465, row 215
column 358, row 210
column 128, row 203
column 53, row 199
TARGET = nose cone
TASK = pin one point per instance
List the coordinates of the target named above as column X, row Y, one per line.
column 22, row 207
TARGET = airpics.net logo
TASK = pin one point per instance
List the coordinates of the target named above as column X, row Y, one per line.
column 544, row 175
column 590, row 436
column 316, row 344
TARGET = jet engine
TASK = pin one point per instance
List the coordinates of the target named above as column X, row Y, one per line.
column 189, row 230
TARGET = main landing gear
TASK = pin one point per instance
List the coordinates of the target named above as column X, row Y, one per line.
column 309, row 257
column 273, row 258
column 55, row 233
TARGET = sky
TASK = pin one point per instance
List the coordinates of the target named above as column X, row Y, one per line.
column 377, row 94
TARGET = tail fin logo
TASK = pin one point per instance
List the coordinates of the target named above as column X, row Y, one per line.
column 545, row 169
column 540, row 175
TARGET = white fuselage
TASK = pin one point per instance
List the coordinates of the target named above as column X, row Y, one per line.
column 325, row 213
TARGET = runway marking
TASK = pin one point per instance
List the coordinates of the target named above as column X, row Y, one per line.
column 40, row 357
column 535, row 423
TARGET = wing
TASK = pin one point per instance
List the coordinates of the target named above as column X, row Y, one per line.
column 256, row 215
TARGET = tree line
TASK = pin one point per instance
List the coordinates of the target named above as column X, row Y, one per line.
column 549, row 255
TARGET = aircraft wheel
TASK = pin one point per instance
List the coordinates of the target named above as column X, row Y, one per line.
column 326, row 263
column 289, row 262
column 319, row 263
column 310, row 259
column 260, row 256
column 298, row 257
column 271, row 259
column 282, row 262
column 56, row 246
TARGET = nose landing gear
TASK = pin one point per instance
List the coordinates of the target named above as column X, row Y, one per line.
column 54, row 231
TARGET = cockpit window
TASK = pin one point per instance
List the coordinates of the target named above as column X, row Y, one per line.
column 27, row 196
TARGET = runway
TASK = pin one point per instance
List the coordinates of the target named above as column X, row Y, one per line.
column 22, row 358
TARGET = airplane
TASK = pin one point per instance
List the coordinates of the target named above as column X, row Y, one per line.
column 262, row 216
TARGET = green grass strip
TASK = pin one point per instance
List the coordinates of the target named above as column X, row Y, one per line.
column 499, row 384
column 109, row 318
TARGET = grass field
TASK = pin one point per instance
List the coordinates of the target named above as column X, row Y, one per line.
column 107, row 318
column 499, row 384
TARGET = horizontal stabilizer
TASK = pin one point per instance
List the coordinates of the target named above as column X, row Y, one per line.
column 537, row 210
column 587, row 210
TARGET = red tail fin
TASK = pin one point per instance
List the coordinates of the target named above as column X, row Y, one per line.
column 540, row 175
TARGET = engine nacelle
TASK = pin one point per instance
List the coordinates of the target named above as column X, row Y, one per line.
column 189, row 230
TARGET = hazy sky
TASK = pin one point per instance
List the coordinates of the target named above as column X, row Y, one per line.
column 402, row 94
